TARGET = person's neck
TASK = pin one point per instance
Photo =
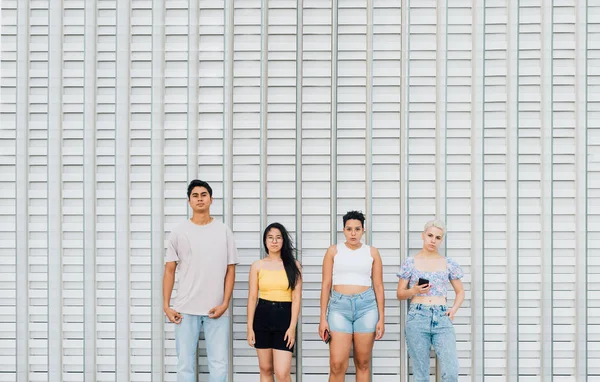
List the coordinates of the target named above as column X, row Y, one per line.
column 427, row 253
column 353, row 247
column 201, row 218
column 274, row 256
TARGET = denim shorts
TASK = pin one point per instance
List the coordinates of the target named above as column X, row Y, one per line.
column 353, row 313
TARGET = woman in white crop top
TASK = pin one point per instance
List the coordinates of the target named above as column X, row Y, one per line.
column 351, row 313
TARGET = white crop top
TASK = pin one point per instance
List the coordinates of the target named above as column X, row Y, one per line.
column 352, row 267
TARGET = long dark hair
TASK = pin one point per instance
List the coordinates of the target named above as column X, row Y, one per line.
column 287, row 253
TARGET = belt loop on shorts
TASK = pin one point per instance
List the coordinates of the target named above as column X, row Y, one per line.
column 363, row 294
column 278, row 304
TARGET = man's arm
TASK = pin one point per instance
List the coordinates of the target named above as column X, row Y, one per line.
column 232, row 259
column 218, row 311
column 229, row 283
column 168, row 282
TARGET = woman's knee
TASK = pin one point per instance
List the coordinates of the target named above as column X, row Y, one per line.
column 362, row 364
column 338, row 367
column 266, row 368
column 282, row 374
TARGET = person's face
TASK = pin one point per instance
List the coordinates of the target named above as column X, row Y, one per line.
column 200, row 199
column 274, row 241
column 432, row 238
column 353, row 231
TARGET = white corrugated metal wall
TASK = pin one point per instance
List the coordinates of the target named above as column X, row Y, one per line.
column 485, row 113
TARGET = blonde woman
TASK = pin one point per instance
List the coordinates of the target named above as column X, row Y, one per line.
column 424, row 280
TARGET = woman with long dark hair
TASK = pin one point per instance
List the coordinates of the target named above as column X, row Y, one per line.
column 276, row 283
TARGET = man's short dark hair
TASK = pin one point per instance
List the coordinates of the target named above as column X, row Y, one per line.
column 354, row 215
column 198, row 183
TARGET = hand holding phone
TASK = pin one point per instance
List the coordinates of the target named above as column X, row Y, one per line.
column 327, row 336
column 324, row 331
column 422, row 286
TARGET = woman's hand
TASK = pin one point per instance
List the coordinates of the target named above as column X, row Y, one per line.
column 421, row 289
column 451, row 312
column 323, row 325
column 379, row 330
column 290, row 337
column 250, row 337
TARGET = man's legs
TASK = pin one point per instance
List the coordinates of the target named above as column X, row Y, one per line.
column 216, row 333
column 187, row 333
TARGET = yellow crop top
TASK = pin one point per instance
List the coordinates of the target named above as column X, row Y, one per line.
column 273, row 285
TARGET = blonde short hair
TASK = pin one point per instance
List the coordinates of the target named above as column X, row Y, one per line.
column 437, row 224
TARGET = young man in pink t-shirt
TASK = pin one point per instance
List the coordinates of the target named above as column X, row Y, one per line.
column 204, row 253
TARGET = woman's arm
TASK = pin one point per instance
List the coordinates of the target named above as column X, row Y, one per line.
column 326, row 280
column 252, row 293
column 403, row 292
column 460, row 294
column 326, row 288
column 377, row 276
column 296, row 299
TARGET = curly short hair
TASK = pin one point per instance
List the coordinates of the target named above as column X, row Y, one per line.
column 354, row 215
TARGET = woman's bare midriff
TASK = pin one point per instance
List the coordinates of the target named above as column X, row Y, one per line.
column 428, row 300
column 350, row 289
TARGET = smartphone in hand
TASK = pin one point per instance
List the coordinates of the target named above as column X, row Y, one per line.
column 422, row 281
column 327, row 336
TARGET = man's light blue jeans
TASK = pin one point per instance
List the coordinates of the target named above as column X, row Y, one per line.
column 428, row 325
column 216, row 333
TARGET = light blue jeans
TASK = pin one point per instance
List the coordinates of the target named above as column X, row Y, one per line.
column 428, row 325
column 216, row 333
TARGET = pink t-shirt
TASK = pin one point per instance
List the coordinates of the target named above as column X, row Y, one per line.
column 202, row 253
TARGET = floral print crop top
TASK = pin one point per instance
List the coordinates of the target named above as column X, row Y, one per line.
column 438, row 280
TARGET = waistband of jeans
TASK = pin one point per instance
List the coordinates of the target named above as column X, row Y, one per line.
column 432, row 308
column 274, row 303
column 361, row 295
